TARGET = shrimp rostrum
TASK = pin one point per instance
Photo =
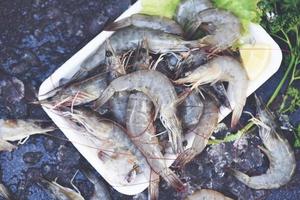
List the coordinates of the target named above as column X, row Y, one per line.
column 279, row 152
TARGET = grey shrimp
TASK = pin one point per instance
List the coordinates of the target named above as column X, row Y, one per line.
column 223, row 68
column 142, row 132
column 278, row 150
column 164, row 98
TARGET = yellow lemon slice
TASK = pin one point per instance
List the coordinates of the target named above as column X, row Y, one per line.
column 255, row 58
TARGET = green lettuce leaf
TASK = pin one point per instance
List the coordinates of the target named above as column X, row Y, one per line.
column 164, row 8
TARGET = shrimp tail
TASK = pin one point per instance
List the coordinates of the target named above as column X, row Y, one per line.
column 242, row 177
column 153, row 189
column 184, row 158
column 118, row 25
column 106, row 95
column 236, row 114
column 172, row 179
column 6, row 146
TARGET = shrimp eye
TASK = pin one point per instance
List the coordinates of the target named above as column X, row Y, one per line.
column 108, row 53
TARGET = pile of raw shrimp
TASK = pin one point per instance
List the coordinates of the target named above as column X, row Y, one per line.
column 155, row 88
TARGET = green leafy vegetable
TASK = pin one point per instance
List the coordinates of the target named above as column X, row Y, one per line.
column 246, row 10
column 165, row 8
column 291, row 101
column 297, row 141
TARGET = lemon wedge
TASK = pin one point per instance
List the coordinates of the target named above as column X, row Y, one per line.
column 255, row 58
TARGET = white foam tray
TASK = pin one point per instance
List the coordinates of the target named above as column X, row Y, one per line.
column 70, row 67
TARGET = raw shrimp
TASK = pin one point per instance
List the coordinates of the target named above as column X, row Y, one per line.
column 4, row 192
column 63, row 193
column 78, row 93
column 142, row 132
column 13, row 130
column 129, row 38
column 164, row 98
column 202, row 131
column 223, row 68
column 116, row 150
column 206, row 194
column 159, row 23
column 278, row 150
column 100, row 189
column 191, row 110
column 188, row 10
column 223, row 28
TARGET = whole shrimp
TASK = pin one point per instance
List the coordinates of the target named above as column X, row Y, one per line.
column 223, row 68
column 223, row 28
column 129, row 38
column 187, row 10
column 206, row 194
column 142, row 132
column 78, row 93
column 159, row 23
column 164, row 98
column 278, row 150
column 202, row 131
column 115, row 149
column 14, row 130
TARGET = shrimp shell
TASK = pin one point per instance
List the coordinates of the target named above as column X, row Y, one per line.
column 164, row 98
column 279, row 152
column 142, row 133
column 159, row 23
column 223, row 68
column 206, row 194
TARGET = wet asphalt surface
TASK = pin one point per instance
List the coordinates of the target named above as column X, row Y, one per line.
column 36, row 37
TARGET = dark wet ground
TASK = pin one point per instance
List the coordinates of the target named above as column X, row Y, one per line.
column 36, row 37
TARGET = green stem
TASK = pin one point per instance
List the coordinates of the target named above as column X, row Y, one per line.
column 276, row 92
column 294, row 71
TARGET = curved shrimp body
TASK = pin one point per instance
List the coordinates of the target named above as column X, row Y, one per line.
column 130, row 37
column 191, row 110
column 206, row 194
column 159, row 23
column 78, row 93
column 279, row 152
column 164, row 98
column 223, row 28
column 202, row 131
column 115, row 148
column 223, row 68
column 187, row 10
column 142, row 133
